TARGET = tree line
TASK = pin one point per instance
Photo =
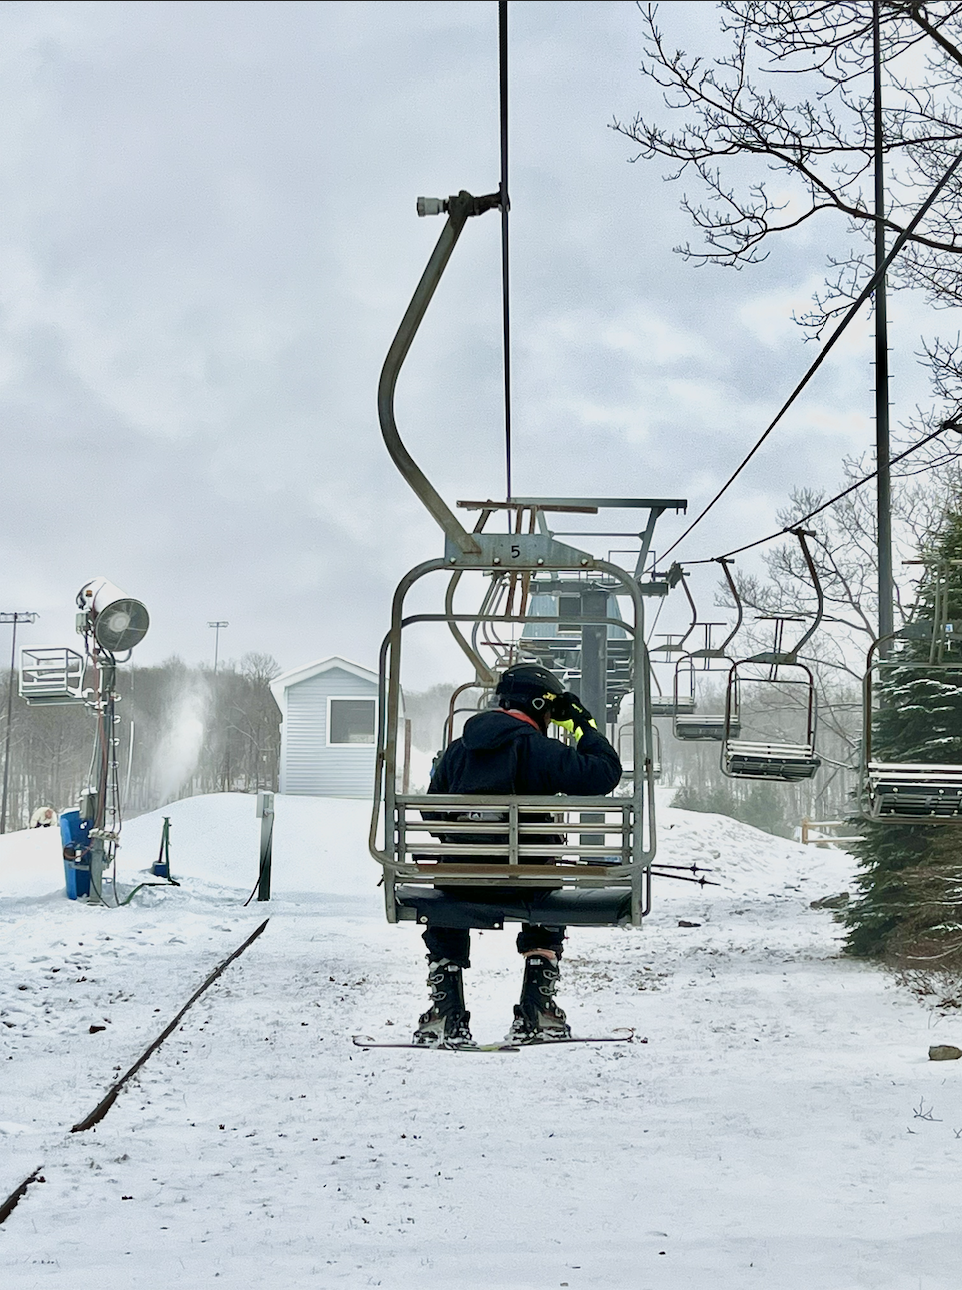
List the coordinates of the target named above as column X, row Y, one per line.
column 183, row 730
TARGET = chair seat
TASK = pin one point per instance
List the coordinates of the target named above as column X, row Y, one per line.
column 904, row 790
column 706, row 727
column 591, row 907
column 786, row 762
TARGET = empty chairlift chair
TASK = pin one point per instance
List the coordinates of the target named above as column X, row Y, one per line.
column 771, row 706
column 672, row 700
column 625, row 742
column 919, row 667
column 699, row 710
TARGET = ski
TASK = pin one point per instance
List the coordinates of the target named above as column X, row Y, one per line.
column 368, row 1041
column 625, row 1036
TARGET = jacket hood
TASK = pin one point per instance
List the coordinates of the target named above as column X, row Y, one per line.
column 496, row 729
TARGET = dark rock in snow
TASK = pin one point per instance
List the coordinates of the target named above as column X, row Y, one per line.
column 830, row 902
column 944, row 1053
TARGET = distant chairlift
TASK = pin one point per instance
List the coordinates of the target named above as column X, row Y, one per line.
column 675, row 701
column 690, row 721
column 558, row 610
column 625, row 737
column 765, row 754
column 913, row 792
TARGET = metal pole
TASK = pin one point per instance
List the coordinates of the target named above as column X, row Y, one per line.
column 594, row 678
column 12, row 618
column 6, row 750
column 886, row 616
column 217, row 626
column 265, row 813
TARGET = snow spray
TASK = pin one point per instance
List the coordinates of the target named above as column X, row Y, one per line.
column 179, row 750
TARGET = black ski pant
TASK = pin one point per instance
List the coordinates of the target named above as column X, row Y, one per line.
column 454, row 943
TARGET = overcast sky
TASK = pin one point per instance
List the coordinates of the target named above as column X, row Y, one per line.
column 208, row 239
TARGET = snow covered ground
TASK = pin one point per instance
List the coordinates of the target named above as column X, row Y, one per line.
column 782, row 1126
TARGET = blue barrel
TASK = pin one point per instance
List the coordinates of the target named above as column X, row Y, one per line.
column 74, row 833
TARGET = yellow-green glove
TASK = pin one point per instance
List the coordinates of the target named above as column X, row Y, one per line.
column 570, row 714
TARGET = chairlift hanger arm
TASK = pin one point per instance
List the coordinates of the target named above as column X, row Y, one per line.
column 459, row 209
column 802, row 534
column 778, row 654
column 682, row 578
column 724, row 562
column 645, row 537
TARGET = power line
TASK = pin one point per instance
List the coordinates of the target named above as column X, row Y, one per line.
column 865, row 293
column 866, row 479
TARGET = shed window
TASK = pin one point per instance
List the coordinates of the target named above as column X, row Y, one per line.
column 352, row 721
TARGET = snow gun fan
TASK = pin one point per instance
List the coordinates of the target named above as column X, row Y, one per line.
column 111, row 624
column 117, row 621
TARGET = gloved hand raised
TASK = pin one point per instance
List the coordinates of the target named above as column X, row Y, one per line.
column 570, row 714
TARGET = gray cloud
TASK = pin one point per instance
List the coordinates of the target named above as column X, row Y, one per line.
column 209, row 238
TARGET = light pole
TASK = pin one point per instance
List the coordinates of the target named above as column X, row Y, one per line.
column 217, row 626
column 14, row 618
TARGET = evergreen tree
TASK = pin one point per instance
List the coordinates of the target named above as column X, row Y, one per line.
column 909, row 873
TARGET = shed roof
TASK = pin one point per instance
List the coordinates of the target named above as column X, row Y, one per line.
column 298, row 674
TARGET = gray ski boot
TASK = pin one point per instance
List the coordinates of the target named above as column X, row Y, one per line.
column 538, row 1019
column 445, row 1024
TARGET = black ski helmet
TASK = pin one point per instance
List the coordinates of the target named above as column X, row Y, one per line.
column 529, row 687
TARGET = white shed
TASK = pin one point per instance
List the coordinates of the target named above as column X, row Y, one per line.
column 329, row 714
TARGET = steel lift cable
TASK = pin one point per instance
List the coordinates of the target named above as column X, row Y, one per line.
column 826, row 349
column 823, row 506
column 505, row 206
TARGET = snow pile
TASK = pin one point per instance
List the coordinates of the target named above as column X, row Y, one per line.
column 319, row 846
column 745, row 860
column 31, row 863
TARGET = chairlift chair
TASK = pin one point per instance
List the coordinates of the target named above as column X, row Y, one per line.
column 778, row 759
column 625, row 745
column 690, row 722
column 597, row 876
column 912, row 792
column 673, row 644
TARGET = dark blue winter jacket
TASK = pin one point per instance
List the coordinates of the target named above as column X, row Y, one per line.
column 500, row 753
column 503, row 754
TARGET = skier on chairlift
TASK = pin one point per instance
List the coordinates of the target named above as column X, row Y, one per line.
column 507, row 751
